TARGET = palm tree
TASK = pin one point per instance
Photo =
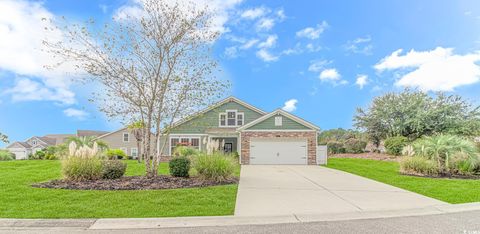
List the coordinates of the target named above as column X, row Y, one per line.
column 138, row 130
column 87, row 141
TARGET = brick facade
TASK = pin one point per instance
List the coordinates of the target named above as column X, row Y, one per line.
column 311, row 137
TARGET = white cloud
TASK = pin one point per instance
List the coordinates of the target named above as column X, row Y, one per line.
column 266, row 56
column 22, row 30
column 290, row 105
column 265, row 24
column 249, row 44
column 435, row 70
column 75, row 113
column 360, row 45
column 330, row 74
column 318, row 65
column 231, row 52
column 270, row 42
column 254, row 13
column 361, row 81
column 311, row 32
column 29, row 90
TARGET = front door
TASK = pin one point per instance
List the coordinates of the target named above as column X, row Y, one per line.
column 228, row 147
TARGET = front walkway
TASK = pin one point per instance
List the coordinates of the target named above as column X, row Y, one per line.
column 286, row 190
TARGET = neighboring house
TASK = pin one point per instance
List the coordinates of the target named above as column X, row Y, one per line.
column 122, row 139
column 36, row 143
column 277, row 137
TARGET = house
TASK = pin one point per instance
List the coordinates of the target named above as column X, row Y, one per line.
column 258, row 137
column 122, row 139
column 36, row 143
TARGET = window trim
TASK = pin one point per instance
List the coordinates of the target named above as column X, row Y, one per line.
column 128, row 136
column 278, row 120
column 226, row 118
column 180, row 137
column 136, row 151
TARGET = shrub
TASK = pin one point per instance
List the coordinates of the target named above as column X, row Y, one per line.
column 179, row 166
column 395, row 145
column 82, row 163
column 184, row 151
column 115, row 154
column 81, row 169
column 418, row 165
column 355, row 146
column 113, row 169
column 445, row 149
column 216, row 167
column 38, row 155
column 335, row 147
column 5, row 155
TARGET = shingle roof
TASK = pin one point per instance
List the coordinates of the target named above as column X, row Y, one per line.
column 87, row 133
column 48, row 140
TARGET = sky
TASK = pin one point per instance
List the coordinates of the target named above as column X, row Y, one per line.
column 319, row 60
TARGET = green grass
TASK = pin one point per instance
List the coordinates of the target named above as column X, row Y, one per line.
column 448, row 190
column 19, row 200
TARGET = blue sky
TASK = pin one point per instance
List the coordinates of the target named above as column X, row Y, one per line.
column 324, row 58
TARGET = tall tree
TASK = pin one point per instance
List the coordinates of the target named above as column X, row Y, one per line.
column 155, row 66
column 414, row 113
column 3, row 138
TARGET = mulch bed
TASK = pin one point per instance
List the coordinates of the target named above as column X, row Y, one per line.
column 374, row 156
column 134, row 183
column 443, row 176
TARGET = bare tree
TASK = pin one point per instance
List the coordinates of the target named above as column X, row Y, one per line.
column 156, row 67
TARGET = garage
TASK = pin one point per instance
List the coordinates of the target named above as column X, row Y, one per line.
column 278, row 151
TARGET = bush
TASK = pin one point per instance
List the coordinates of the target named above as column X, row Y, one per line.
column 395, row 145
column 184, row 151
column 216, row 167
column 5, row 155
column 448, row 151
column 113, row 169
column 115, row 154
column 335, row 147
column 81, row 169
column 39, row 155
column 418, row 165
column 179, row 166
column 355, row 146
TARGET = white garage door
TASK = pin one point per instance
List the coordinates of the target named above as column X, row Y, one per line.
column 278, row 151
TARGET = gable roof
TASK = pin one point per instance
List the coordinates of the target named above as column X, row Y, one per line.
column 23, row 144
column 110, row 133
column 215, row 105
column 281, row 112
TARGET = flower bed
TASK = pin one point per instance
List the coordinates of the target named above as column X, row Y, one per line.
column 134, row 183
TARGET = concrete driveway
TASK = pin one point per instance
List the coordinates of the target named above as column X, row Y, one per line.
column 282, row 190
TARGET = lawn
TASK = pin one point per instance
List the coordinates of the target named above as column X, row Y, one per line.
column 19, row 200
column 448, row 190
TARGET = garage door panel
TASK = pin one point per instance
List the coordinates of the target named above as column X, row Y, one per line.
column 278, row 151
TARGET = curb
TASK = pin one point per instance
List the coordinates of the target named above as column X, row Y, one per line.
column 206, row 221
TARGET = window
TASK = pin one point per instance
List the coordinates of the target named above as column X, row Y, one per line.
column 126, row 137
column 193, row 142
column 34, row 142
column 134, row 152
column 223, row 119
column 278, row 120
column 231, row 118
column 239, row 119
